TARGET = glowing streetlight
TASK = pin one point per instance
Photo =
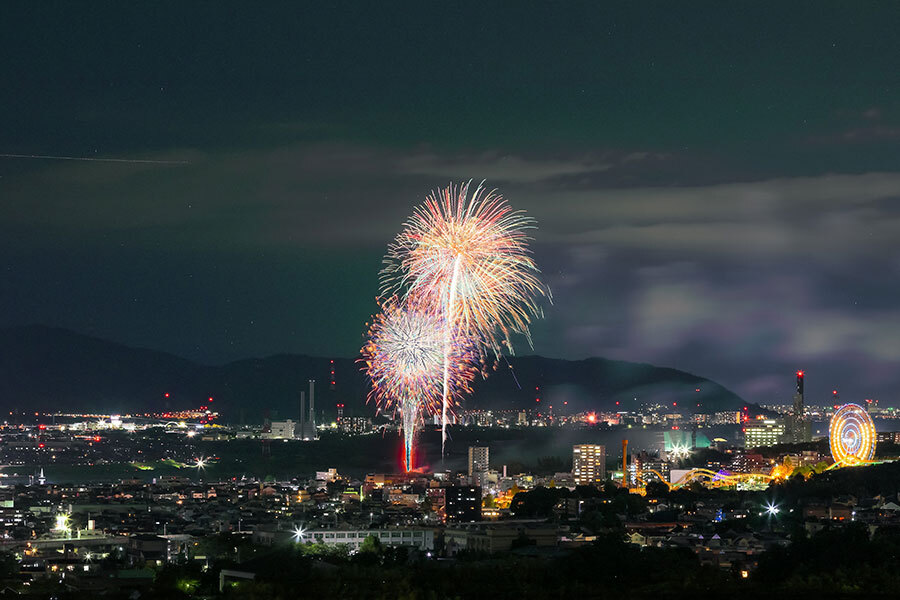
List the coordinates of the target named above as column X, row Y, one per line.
column 62, row 524
column 772, row 509
column 299, row 532
column 680, row 451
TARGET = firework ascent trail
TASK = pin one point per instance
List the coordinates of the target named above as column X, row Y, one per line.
column 405, row 356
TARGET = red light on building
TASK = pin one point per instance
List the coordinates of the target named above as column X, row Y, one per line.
column 674, row 404
column 41, row 445
column 96, row 438
column 537, row 399
column 210, row 399
column 166, row 394
column 799, row 373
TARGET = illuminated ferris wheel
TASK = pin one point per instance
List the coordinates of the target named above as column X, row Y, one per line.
column 852, row 436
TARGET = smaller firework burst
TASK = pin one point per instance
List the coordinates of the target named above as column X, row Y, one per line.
column 404, row 358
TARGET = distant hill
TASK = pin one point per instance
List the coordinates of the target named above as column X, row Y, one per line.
column 43, row 368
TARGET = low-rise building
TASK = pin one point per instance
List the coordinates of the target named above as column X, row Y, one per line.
column 501, row 536
column 423, row 539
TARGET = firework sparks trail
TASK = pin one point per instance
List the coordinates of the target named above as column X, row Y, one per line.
column 405, row 359
column 469, row 255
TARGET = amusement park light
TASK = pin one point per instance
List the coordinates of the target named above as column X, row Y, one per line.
column 851, row 435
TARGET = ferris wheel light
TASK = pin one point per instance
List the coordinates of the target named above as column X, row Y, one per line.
column 851, row 435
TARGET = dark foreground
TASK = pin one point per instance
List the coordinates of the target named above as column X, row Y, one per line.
column 842, row 563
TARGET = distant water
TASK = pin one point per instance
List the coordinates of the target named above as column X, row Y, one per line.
column 358, row 456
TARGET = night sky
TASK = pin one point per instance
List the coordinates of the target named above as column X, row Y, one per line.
column 717, row 186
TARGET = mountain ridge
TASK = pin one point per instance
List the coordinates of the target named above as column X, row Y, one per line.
column 52, row 368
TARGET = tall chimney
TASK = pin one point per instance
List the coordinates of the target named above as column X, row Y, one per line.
column 302, row 415
column 312, row 408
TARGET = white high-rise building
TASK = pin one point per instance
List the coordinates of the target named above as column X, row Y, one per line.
column 479, row 460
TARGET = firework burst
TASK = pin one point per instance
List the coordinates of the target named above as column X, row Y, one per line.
column 405, row 359
column 469, row 256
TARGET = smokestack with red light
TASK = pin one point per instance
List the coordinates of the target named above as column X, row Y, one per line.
column 798, row 397
column 799, row 427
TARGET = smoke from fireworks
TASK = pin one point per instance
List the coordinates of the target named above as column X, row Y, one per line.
column 405, row 361
column 468, row 256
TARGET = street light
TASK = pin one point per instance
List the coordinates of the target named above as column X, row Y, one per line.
column 299, row 532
